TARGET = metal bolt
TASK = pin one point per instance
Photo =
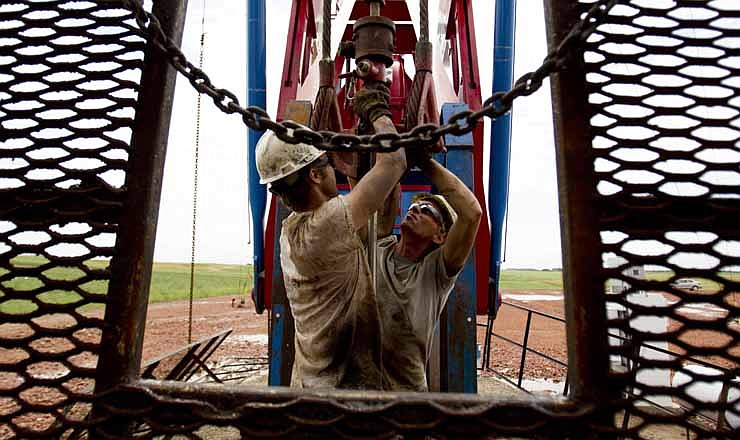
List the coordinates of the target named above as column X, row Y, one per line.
column 364, row 67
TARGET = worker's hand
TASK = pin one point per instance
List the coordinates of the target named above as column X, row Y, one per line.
column 372, row 101
column 421, row 155
column 418, row 157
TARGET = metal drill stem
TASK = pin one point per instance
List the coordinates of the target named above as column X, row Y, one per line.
column 375, row 8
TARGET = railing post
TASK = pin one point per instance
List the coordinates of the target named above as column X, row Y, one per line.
column 487, row 344
column 131, row 268
column 524, row 348
column 585, row 309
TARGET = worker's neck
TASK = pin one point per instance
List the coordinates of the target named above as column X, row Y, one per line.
column 411, row 249
column 316, row 198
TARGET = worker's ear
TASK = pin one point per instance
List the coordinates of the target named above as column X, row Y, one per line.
column 314, row 174
column 439, row 238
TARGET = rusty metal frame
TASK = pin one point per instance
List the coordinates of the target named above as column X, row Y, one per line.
column 585, row 313
column 124, row 400
column 170, row 406
column 132, row 268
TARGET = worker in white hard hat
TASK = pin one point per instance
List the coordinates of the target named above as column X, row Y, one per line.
column 324, row 261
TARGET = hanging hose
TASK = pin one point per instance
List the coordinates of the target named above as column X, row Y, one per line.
column 195, row 180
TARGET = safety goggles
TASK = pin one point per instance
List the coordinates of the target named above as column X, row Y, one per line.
column 429, row 209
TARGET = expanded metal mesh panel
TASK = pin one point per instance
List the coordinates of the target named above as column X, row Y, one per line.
column 663, row 78
column 68, row 87
column 189, row 411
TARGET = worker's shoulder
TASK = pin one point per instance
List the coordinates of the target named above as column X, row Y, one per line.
column 332, row 215
column 387, row 241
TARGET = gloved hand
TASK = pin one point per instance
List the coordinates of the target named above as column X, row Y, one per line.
column 372, row 101
column 418, row 156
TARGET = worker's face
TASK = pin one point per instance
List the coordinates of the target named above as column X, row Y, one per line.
column 424, row 220
column 328, row 178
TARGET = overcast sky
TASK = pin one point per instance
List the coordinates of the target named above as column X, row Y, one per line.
column 223, row 220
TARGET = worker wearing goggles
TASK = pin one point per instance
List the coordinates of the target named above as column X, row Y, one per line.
column 418, row 269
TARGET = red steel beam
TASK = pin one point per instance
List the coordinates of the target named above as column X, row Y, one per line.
column 471, row 95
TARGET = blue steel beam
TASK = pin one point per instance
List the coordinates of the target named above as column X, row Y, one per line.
column 458, row 324
column 498, row 179
column 257, row 96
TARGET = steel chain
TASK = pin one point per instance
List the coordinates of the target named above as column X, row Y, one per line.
column 424, row 135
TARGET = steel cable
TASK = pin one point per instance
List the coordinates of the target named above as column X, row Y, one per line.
column 424, row 20
column 326, row 31
column 195, row 179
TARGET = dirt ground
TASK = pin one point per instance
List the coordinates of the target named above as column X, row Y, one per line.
column 167, row 330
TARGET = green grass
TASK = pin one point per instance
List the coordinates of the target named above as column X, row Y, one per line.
column 531, row 280
column 170, row 282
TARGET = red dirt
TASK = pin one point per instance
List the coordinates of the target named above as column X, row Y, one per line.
column 167, row 327
column 167, row 330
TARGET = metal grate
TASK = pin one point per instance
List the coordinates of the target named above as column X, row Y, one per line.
column 649, row 181
column 662, row 80
column 68, row 88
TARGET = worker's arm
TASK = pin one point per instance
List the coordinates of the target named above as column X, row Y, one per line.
column 387, row 214
column 461, row 237
column 370, row 193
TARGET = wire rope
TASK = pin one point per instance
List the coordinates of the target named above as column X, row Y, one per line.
column 195, row 178
column 326, row 30
column 424, row 20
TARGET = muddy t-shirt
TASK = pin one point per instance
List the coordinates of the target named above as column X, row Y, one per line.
column 411, row 296
column 327, row 281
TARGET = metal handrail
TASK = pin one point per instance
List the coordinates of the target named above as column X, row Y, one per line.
column 614, row 335
column 526, row 309
column 524, row 345
column 486, row 364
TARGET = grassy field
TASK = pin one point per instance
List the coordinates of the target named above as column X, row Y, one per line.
column 171, row 281
column 531, row 280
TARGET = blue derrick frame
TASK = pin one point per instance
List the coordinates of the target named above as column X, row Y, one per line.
column 457, row 326
column 256, row 96
column 500, row 158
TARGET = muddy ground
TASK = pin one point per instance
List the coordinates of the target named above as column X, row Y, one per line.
column 167, row 330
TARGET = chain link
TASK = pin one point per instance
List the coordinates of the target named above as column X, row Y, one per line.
column 424, row 135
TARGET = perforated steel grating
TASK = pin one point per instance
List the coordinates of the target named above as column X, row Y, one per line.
column 663, row 79
column 662, row 82
column 68, row 87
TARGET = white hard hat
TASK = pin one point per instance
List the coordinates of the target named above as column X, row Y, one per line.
column 277, row 158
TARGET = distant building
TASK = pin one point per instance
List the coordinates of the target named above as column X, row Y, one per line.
column 644, row 324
